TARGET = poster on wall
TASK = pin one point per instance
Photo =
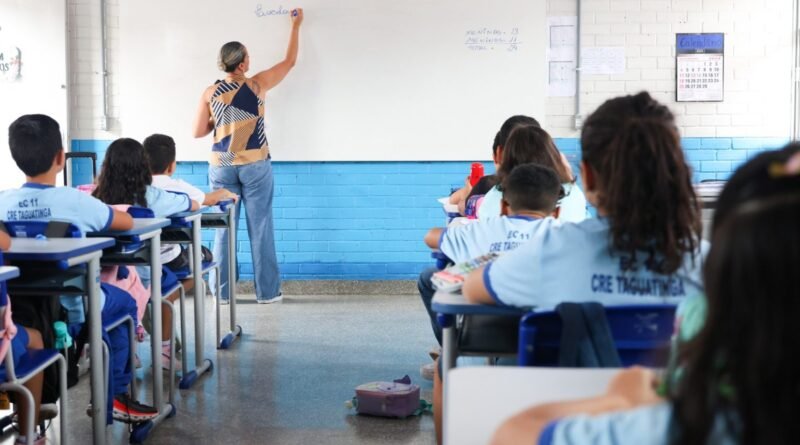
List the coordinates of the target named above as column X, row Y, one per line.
column 33, row 73
column 699, row 67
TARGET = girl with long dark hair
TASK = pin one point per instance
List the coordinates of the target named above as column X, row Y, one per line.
column 125, row 179
column 736, row 380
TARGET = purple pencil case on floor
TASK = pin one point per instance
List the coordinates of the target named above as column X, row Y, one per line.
column 388, row 399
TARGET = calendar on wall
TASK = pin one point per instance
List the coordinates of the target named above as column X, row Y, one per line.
column 699, row 67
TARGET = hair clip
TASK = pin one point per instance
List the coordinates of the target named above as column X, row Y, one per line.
column 790, row 168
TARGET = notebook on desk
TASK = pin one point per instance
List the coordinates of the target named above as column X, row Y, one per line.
column 452, row 278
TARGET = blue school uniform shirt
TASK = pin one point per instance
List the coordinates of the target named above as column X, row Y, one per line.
column 499, row 234
column 649, row 425
column 573, row 262
column 164, row 203
column 38, row 202
column 572, row 206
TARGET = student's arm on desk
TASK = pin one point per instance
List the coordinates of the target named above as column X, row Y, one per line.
column 475, row 290
column 121, row 221
column 433, row 237
column 195, row 205
column 213, row 198
column 5, row 241
column 631, row 388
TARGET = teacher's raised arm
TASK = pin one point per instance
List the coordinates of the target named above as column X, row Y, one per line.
column 267, row 79
column 233, row 110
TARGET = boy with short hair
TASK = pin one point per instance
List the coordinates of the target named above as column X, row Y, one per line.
column 530, row 195
column 35, row 142
column 162, row 159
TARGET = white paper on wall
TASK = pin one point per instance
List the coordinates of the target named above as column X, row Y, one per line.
column 603, row 60
column 562, row 39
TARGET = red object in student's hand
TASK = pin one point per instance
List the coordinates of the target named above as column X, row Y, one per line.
column 476, row 174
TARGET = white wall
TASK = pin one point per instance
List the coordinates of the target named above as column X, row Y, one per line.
column 758, row 59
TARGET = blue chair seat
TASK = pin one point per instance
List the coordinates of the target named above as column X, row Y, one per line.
column 30, row 361
column 185, row 272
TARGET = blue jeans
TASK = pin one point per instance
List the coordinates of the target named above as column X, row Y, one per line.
column 426, row 291
column 118, row 303
column 254, row 184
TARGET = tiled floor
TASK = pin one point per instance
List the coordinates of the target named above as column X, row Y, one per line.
column 287, row 380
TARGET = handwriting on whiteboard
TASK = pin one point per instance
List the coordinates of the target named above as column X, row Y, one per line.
column 266, row 11
column 492, row 39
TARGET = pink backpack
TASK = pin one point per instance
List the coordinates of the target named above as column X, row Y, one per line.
column 399, row 398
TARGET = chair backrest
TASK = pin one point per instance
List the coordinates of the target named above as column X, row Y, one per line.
column 641, row 334
column 50, row 229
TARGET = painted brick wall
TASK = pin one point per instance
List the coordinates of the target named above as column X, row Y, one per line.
column 758, row 62
column 366, row 220
column 351, row 220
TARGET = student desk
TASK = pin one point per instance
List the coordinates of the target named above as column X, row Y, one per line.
column 65, row 253
column 223, row 216
column 7, row 273
column 141, row 245
column 185, row 229
column 448, row 307
column 479, row 399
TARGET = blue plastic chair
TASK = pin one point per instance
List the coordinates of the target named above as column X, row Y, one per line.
column 13, row 376
column 33, row 229
column 641, row 333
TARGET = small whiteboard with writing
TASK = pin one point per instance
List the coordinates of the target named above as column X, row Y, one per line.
column 376, row 80
column 33, row 73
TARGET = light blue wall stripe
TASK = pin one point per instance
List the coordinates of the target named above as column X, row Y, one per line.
column 366, row 220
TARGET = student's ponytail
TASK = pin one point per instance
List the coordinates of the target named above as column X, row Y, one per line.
column 642, row 181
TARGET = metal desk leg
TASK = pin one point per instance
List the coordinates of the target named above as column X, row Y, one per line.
column 201, row 363
column 235, row 330
column 96, row 353
column 142, row 430
column 449, row 355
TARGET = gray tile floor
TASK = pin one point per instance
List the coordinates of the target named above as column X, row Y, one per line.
column 287, row 380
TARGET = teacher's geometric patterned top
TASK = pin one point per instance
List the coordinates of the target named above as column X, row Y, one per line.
column 239, row 134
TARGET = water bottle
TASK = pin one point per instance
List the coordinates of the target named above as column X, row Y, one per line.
column 476, row 174
column 63, row 339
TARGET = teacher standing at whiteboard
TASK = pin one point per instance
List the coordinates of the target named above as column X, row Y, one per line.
column 233, row 109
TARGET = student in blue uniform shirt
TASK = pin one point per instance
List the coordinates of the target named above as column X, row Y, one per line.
column 35, row 142
column 125, row 178
column 24, row 339
column 739, row 373
column 530, row 196
column 531, row 144
column 645, row 246
column 488, row 182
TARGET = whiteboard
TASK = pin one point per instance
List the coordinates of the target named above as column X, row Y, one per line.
column 33, row 33
column 376, row 80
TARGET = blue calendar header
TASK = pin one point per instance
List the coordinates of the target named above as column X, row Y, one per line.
column 700, row 43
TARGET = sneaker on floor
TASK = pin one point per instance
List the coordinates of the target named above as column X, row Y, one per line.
column 39, row 440
column 277, row 299
column 427, row 371
column 224, row 301
column 130, row 411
